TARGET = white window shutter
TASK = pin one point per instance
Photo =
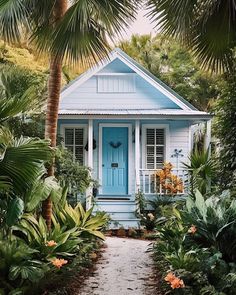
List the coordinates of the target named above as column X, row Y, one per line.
column 155, row 148
column 74, row 142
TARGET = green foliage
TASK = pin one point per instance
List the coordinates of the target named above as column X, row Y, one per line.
column 87, row 225
column 215, row 222
column 160, row 203
column 204, row 26
column 19, row 269
column 15, row 209
column 198, row 244
column 71, row 227
column 70, row 173
column 23, row 160
column 201, row 169
column 40, row 191
column 224, row 130
column 37, row 236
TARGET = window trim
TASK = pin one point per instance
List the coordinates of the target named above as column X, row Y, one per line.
column 79, row 126
column 166, row 127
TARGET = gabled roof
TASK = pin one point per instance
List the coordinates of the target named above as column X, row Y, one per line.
column 138, row 69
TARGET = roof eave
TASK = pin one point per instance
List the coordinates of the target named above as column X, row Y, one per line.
column 192, row 117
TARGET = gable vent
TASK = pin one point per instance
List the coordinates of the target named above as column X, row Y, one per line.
column 123, row 83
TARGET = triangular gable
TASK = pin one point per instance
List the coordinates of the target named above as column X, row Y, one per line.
column 129, row 65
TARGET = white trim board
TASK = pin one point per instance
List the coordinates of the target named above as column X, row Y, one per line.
column 122, row 57
column 130, row 153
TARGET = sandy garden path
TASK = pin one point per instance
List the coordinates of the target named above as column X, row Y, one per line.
column 125, row 269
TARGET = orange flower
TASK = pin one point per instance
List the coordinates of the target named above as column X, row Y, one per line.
column 192, row 229
column 174, row 281
column 59, row 262
column 51, row 243
column 177, row 283
column 170, row 277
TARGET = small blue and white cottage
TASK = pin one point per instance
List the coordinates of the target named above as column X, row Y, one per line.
column 123, row 122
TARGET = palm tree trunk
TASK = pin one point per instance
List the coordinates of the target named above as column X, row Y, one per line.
column 54, row 88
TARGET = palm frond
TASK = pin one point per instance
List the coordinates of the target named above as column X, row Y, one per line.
column 10, row 104
column 83, row 31
column 206, row 27
column 13, row 14
column 22, row 160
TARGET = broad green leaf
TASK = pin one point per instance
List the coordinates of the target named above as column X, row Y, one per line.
column 14, row 211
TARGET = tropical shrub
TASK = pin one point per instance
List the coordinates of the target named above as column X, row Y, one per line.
column 85, row 222
column 19, row 269
column 201, row 169
column 71, row 174
column 196, row 246
column 215, row 221
column 59, row 242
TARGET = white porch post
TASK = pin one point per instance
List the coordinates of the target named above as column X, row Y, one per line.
column 207, row 139
column 137, row 155
column 207, row 143
column 90, row 162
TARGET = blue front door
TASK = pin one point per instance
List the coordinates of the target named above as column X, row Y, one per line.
column 115, row 161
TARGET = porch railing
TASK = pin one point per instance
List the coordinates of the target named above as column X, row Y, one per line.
column 151, row 184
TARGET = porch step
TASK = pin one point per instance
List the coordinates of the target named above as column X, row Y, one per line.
column 113, row 198
column 122, row 215
column 122, row 212
column 115, row 206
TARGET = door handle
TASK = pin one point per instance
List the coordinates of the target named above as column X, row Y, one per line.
column 103, row 165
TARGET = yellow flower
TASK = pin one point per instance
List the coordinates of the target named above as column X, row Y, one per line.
column 59, row 262
column 51, row 243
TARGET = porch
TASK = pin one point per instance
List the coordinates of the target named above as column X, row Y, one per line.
column 125, row 155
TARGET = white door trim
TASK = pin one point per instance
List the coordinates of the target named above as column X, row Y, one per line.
column 129, row 126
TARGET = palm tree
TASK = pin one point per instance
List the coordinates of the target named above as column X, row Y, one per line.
column 67, row 30
column 207, row 27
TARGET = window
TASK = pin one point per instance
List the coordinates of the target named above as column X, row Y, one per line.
column 116, row 83
column 155, row 148
column 74, row 141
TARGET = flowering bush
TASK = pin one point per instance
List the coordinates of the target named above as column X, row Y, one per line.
column 169, row 182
